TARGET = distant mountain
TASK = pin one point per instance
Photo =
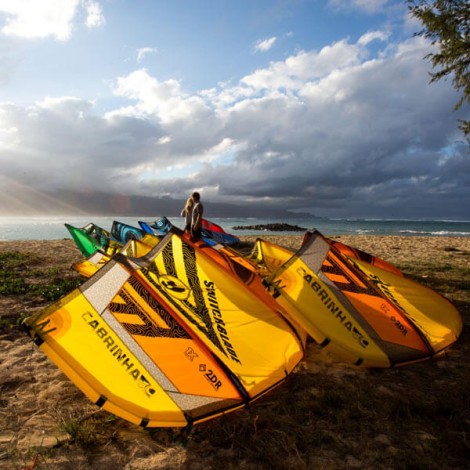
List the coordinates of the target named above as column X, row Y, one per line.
column 27, row 202
column 108, row 204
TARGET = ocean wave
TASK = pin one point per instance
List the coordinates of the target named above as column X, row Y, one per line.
column 438, row 233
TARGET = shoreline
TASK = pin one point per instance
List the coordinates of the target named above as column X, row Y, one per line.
column 392, row 248
column 293, row 241
column 45, row 228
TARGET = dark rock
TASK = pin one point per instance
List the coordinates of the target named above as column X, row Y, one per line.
column 272, row 227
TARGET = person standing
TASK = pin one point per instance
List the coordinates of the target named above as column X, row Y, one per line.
column 197, row 213
column 187, row 213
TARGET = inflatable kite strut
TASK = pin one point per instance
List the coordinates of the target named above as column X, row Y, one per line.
column 366, row 311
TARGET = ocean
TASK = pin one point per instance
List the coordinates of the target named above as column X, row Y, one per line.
column 52, row 228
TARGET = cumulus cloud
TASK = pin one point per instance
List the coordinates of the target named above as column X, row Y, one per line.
column 165, row 101
column 95, row 17
column 31, row 19
column 338, row 130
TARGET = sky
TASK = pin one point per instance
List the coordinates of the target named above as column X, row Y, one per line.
column 313, row 106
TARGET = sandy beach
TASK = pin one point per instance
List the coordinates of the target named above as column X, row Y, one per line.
column 328, row 414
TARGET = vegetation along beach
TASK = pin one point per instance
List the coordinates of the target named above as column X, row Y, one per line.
column 326, row 415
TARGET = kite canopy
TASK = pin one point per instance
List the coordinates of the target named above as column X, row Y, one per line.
column 365, row 310
column 170, row 332
column 159, row 227
column 122, row 232
column 92, row 238
column 211, row 233
column 168, row 339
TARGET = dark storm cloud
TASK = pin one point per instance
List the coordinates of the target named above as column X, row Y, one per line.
column 335, row 131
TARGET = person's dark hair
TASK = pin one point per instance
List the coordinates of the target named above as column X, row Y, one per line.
column 196, row 196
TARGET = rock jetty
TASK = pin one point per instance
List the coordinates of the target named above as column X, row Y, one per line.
column 272, row 228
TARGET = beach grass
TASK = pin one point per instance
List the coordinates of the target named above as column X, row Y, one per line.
column 327, row 414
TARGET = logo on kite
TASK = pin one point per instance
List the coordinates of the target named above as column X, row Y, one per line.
column 191, row 354
column 174, row 287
